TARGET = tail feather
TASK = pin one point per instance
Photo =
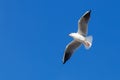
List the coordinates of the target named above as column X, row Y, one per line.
column 88, row 42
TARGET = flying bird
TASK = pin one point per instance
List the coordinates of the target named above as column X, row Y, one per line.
column 79, row 38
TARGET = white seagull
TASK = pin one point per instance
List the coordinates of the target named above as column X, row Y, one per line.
column 79, row 38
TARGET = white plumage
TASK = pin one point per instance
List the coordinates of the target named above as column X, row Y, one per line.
column 79, row 37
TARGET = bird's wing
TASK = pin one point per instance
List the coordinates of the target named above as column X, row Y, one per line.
column 83, row 23
column 70, row 48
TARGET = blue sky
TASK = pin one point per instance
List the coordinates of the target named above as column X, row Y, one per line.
column 34, row 34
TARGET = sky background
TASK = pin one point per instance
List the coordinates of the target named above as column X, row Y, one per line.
column 34, row 34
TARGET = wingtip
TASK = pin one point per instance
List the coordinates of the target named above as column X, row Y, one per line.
column 87, row 15
column 63, row 61
column 89, row 11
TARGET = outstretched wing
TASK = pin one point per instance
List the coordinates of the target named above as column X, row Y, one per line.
column 83, row 23
column 70, row 48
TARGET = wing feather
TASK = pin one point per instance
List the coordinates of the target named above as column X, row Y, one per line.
column 83, row 23
column 70, row 48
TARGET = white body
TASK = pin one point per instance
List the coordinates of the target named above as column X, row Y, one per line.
column 87, row 41
column 77, row 37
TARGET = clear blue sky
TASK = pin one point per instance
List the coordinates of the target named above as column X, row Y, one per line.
column 34, row 34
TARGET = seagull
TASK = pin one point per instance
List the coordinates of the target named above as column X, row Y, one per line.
column 79, row 38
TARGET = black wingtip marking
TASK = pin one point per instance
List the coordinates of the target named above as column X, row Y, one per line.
column 90, row 11
column 87, row 15
column 66, row 57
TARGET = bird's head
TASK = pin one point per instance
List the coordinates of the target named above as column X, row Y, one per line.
column 72, row 34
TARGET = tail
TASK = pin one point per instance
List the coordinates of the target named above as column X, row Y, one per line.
column 88, row 42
